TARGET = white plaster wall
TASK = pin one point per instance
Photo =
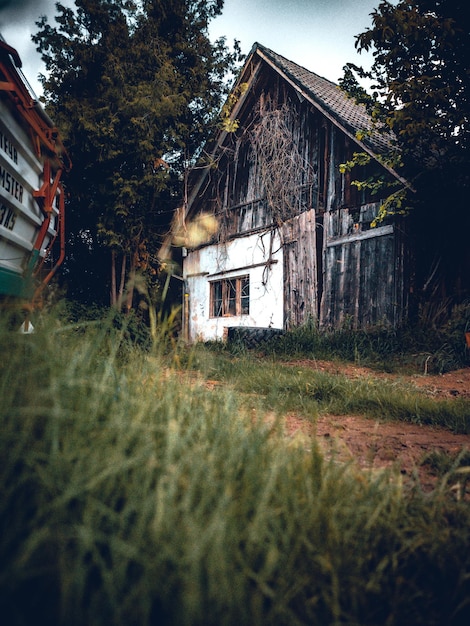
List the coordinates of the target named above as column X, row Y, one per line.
column 241, row 256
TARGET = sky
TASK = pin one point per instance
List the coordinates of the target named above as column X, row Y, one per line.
column 317, row 34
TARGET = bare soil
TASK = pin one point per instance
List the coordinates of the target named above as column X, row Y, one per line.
column 376, row 444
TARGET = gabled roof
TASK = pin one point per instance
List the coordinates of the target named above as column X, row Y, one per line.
column 324, row 95
column 329, row 98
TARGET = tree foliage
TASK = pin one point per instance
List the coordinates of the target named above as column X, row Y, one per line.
column 421, row 92
column 422, row 79
column 133, row 85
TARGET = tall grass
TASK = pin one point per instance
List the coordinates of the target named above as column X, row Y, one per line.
column 133, row 495
column 423, row 346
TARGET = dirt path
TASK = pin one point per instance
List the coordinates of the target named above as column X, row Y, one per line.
column 376, row 444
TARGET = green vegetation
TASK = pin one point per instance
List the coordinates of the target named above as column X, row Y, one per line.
column 420, row 92
column 135, row 87
column 132, row 494
column 308, row 391
column 432, row 345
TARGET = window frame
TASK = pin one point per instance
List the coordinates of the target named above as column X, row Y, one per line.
column 229, row 297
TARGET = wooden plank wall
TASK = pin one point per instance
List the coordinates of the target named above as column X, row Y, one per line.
column 300, row 269
column 362, row 269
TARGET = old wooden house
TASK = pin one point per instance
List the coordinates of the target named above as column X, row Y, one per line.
column 274, row 233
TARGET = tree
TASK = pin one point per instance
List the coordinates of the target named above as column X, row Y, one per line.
column 421, row 84
column 134, row 85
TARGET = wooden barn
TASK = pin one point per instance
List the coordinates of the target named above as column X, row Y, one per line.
column 274, row 233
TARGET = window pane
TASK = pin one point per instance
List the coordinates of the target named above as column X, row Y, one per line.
column 216, row 294
column 245, row 295
column 231, row 301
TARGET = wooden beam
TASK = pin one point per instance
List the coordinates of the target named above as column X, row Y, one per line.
column 245, row 267
column 359, row 236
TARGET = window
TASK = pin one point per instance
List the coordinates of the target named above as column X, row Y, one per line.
column 230, row 296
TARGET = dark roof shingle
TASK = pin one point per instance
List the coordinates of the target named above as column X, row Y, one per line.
column 331, row 98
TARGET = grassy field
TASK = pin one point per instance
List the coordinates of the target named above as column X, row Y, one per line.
column 305, row 391
column 133, row 495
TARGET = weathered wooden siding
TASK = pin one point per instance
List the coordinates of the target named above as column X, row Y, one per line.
column 237, row 194
column 364, row 279
column 298, row 237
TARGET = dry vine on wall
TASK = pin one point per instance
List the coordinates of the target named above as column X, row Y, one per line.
column 280, row 171
column 280, row 167
column 280, row 164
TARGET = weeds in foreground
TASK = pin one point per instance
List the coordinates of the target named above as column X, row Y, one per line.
column 442, row 463
column 132, row 495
